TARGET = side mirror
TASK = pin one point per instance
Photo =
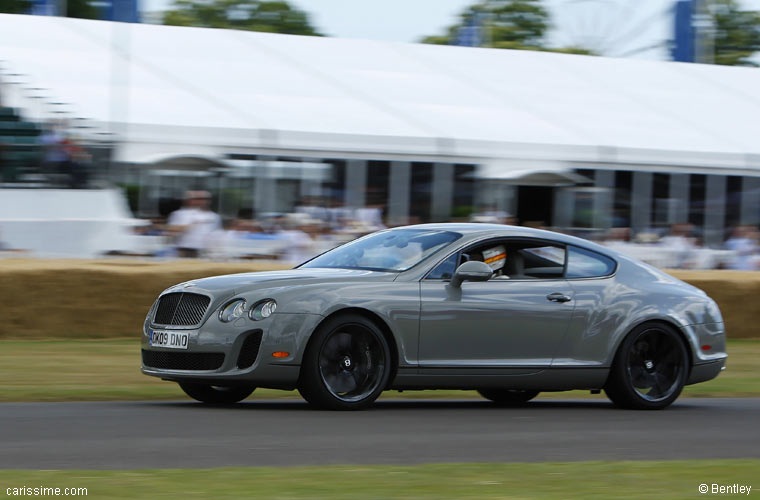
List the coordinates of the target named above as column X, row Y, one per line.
column 471, row 271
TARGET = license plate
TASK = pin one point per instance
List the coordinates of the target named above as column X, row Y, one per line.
column 172, row 340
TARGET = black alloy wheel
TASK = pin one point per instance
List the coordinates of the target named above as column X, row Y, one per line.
column 650, row 369
column 347, row 364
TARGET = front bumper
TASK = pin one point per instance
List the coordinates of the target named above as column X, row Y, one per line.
column 281, row 332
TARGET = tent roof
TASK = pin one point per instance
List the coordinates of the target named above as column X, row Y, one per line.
column 201, row 90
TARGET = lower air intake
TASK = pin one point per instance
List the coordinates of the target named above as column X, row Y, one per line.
column 250, row 350
column 166, row 360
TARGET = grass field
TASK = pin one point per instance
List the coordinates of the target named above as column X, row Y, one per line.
column 587, row 480
column 75, row 370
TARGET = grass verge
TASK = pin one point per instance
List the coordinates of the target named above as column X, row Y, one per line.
column 588, row 480
column 109, row 370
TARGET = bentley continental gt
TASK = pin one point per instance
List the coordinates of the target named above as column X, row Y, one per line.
column 507, row 311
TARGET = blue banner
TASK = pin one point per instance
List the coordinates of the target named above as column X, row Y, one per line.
column 470, row 34
column 684, row 33
column 125, row 11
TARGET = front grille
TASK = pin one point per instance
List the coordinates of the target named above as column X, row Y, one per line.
column 250, row 350
column 182, row 360
column 181, row 309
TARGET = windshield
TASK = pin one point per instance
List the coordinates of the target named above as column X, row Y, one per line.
column 395, row 250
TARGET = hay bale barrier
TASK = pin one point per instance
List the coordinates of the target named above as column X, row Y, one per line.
column 734, row 291
column 92, row 299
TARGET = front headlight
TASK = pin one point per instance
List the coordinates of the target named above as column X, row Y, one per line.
column 232, row 311
column 263, row 309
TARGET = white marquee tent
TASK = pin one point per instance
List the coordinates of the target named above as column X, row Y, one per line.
column 168, row 91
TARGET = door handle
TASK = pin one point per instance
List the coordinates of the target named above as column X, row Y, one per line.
column 558, row 297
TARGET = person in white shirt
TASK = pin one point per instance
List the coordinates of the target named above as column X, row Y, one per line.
column 681, row 246
column 193, row 223
column 744, row 244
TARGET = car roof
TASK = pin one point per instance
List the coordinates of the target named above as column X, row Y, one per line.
column 474, row 230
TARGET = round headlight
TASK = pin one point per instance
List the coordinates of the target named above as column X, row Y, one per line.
column 232, row 311
column 263, row 309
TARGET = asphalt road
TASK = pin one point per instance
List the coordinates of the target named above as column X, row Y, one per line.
column 183, row 434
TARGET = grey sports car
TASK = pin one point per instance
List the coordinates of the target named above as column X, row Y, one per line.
column 508, row 311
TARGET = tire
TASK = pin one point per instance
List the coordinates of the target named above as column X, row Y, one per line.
column 508, row 397
column 650, row 368
column 216, row 395
column 346, row 365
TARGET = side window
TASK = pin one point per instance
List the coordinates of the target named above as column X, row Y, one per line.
column 586, row 264
column 542, row 262
column 511, row 259
column 444, row 270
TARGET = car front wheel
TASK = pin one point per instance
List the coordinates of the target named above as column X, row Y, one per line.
column 217, row 395
column 650, row 368
column 346, row 365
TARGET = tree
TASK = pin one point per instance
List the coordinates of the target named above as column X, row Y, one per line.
column 737, row 33
column 15, row 6
column 82, row 9
column 252, row 15
column 508, row 24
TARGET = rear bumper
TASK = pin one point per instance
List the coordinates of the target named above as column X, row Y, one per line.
column 706, row 371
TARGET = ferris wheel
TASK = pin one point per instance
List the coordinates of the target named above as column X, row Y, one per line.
column 618, row 28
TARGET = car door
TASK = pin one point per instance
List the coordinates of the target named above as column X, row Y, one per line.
column 515, row 321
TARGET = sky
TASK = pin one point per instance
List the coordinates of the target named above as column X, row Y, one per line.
column 630, row 28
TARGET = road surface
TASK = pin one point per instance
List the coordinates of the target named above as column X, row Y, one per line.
column 119, row 435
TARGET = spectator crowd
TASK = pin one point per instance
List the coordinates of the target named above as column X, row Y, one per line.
column 195, row 230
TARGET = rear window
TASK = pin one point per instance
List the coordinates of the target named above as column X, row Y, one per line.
column 583, row 263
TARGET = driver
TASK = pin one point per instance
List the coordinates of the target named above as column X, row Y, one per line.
column 496, row 257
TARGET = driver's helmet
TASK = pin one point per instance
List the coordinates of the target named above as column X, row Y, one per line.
column 495, row 257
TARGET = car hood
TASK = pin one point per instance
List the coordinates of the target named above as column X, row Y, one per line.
column 232, row 284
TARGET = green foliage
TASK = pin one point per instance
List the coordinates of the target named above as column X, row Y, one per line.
column 252, row 15
column 15, row 6
column 737, row 33
column 132, row 192
column 601, row 480
column 82, row 9
column 517, row 23
column 509, row 24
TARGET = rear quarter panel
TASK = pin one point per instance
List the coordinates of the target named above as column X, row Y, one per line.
column 607, row 309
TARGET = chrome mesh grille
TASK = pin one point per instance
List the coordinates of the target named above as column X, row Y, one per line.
column 181, row 309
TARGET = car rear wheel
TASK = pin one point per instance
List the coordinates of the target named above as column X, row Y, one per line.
column 650, row 368
column 508, row 397
column 215, row 394
column 346, row 365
